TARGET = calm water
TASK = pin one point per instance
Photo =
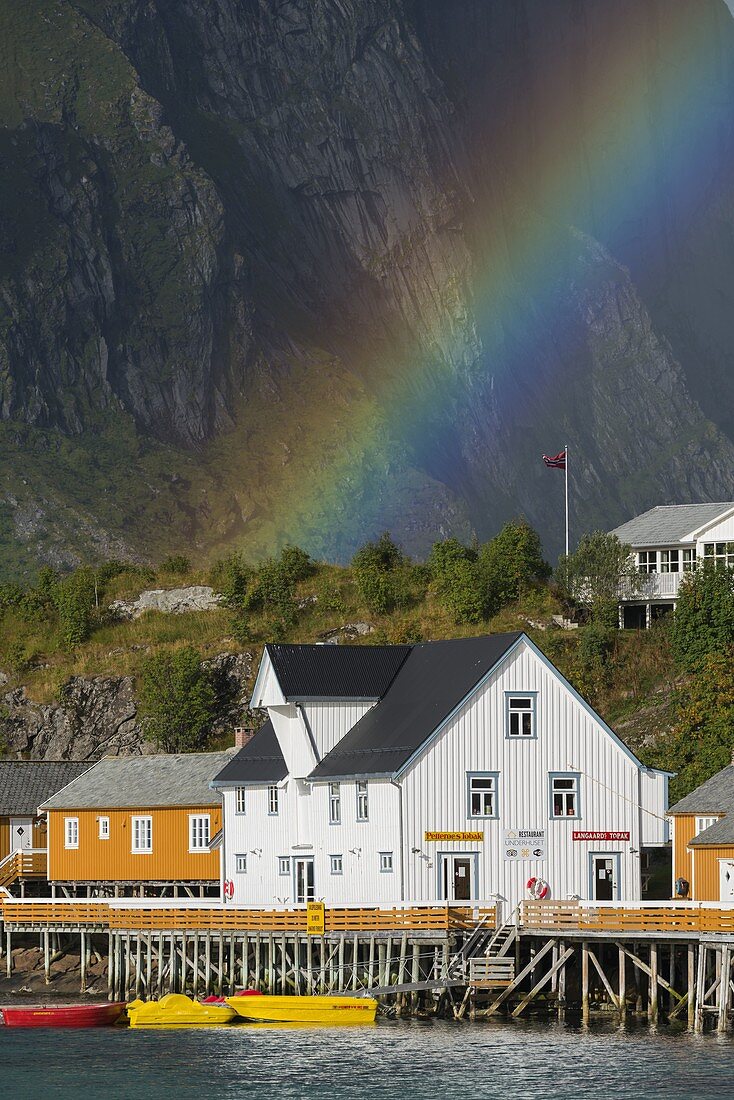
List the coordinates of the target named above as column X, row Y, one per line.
column 418, row 1059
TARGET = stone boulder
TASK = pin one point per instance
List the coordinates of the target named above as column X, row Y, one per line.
column 171, row 601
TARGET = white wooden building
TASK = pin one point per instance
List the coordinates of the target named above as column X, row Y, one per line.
column 449, row 770
column 669, row 541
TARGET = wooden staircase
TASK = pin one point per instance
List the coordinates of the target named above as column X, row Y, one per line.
column 31, row 863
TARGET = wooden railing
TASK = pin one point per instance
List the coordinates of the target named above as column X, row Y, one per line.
column 680, row 917
column 30, row 863
column 137, row 916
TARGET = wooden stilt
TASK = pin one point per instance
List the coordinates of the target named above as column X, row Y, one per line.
column 605, row 981
column 371, row 963
column 220, row 980
column 138, row 965
column 561, row 984
column 560, row 961
column 622, row 966
column 652, row 1001
column 724, row 990
column 82, row 961
column 159, row 975
column 184, row 960
column 148, row 961
column 691, row 984
column 585, row 981
column 196, row 976
column 207, row 963
column 231, row 984
column 110, row 969
column 700, row 987
column 341, row 962
column 46, row 958
column 519, row 978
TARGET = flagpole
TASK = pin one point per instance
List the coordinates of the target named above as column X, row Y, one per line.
column 566, row 465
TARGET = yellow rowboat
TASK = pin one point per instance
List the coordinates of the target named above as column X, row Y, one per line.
column 306, row 1010
column 176, row 1010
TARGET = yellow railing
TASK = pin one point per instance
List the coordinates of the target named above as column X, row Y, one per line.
column 572, row 916
column 23, row 864
column 117, row 916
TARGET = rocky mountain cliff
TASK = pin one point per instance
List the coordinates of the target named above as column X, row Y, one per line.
column 307, row 270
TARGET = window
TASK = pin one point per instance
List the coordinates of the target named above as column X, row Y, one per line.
column 284, row 865
column 647, row 561
column 198, row 832
column 335, row 804
column 521, row 715
column 720, row 554
column 565, row 796
column 337, row 865
column 71, row 832
column 482, row 794
column 669, row 561
column 704, row 823
column 240, row 864
column 239, row 800
column 362, row 806
column 272, row 800
column 688, row 558
column 104, row 828
column 385, row 862
column 142, row 835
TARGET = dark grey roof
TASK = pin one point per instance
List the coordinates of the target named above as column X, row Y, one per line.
column 336, row 672
column 259, row 761
column 668, row 523
column 432, row 681
column 24, row 784
column 144, row 781
column 720, row 833
column 715, row 796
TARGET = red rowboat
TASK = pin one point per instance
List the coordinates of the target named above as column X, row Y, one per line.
column 103, row 1015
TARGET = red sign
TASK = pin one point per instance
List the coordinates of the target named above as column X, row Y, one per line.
column 601, row 836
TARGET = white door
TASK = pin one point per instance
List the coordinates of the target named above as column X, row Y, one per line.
column 21, row 834
column 303, row 872
column 726, row 880
column 457, row 876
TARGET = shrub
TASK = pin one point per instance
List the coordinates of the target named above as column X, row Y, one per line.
column 75, row 600
column 178, row 702
column 703, row 623
column 176, row 563
column 511, row 563
column 592, row 575
column 457, row 580
column 382, row 575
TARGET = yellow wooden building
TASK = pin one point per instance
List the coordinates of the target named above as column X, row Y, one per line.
column 703, row 840
column 136, row 822
column 23, row 785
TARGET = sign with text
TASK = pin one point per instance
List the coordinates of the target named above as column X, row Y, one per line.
column 315, row 918
column 601, row 836
column 453, row 836
column 524, row 844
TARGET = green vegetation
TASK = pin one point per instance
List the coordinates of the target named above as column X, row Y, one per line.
column 668, row 691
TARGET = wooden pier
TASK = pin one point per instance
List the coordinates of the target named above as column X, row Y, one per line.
column 660, row 961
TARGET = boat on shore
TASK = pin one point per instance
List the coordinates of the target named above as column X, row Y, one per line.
column 89, row 1015
column 178, row 1010
column 306, row 1009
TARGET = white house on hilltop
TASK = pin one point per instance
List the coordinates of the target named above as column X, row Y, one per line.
column 668, row 541
column 451, row 770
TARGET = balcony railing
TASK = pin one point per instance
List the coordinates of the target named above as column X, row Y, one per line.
column 651, row 586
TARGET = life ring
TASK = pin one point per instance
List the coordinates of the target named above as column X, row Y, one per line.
column 228, row 888
column 538, row 888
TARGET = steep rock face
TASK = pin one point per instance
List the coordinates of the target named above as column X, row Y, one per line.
column 308, row 270
column 99, row 716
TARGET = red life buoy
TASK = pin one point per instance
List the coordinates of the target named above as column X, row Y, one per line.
column 538, row 888
column 530, row 885
column 228, row 888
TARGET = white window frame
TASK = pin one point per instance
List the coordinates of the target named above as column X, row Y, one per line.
column 335, row 804
column 363, row 804
column 103, row 828
column 240, row 800
column 71, row 832
column 284, row 866
column 386, row 863
column 273, row 800
column 719, row 553
column 705, row 822
column 200, row 832
column 670, row 561
column 487, row 784
column 336, row 863
column 688, row 559
column 240, row 863
column 563, row 793
column 137, row 823
column 647, row 561
column 515, row 731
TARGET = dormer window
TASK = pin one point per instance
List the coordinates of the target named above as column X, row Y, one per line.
column 520, row 716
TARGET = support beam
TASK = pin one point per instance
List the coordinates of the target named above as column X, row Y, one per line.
column 518, row 978
column 605, row 980
column 556, row 966
column 646, row 970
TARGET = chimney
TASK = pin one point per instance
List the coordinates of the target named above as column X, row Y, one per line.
column 243, row 734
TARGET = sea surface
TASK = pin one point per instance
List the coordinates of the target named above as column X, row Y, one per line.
column 421, row 1059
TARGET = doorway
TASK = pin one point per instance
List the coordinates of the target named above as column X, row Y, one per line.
column 21, row 834
column 726, row 880
column 457, row 876
column 303, row 873
column 604, row 876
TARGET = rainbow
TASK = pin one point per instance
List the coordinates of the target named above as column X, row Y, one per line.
column 597, row 187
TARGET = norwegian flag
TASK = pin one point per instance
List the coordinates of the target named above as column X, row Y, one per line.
column 557, row 462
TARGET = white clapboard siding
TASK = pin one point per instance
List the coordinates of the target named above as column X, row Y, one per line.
column 329, row 722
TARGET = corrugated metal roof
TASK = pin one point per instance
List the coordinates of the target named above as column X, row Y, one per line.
column 336, row 672
column 715, row 796
column 24, row 784
column 432, row 681
column 259, row 761
column 145, row 781
column 668, row 523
